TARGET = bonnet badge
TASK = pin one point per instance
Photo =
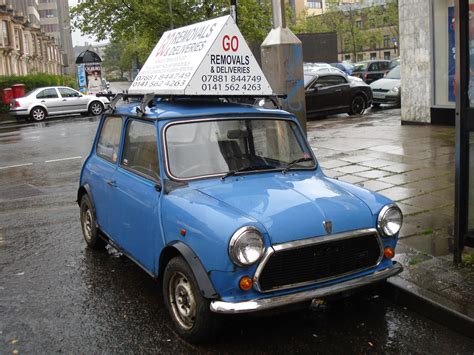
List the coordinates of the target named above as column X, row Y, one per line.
column 327, row 226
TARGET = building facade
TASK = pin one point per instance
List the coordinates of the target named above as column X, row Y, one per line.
column 427, row 55
column 24, row 48
column 55, row 22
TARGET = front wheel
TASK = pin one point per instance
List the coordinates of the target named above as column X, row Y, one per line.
column 357, row 105
column 96, row 108
column 189, row 310
column 37, row 114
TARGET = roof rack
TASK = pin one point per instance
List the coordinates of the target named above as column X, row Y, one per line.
column 147, row 100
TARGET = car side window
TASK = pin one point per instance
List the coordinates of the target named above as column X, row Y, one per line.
column 65, row 92
column 140, row 150
column 47, row 94
column 324, row 81
column 374, row 67
column 337, row 80
column 109, row 139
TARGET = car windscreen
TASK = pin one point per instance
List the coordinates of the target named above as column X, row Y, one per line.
column 360, row 67
column 207, row 148
column 307, row 79
column 394, row 73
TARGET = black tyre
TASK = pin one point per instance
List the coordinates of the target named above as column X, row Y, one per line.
column 189, row 310
column 375, row 104
column 38, row 114
column 96, row 108
column 358, row 105
column 89, row 226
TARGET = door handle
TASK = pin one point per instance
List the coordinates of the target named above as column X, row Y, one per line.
column 112, row 183
column 64, row 100
column 338, row 90
column 42, row 101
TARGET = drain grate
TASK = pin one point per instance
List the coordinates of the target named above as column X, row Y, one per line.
column 14, row 192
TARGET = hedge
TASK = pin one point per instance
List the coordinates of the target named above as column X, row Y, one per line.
column 34, row 81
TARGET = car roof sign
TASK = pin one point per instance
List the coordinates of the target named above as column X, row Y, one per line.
column 206, row 58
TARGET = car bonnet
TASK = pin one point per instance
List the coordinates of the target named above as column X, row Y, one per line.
column 293, row 206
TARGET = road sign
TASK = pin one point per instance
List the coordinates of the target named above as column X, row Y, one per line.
column 207, row 58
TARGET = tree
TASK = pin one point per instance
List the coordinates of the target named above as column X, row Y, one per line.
column 143, row 22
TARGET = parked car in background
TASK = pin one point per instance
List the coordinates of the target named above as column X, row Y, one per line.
column 345, row 67
column 56, row 100
column 331, row 69
column 387, row 90
column 228, row 207
column 394, row 62
column 371, row 70
column 330, row 92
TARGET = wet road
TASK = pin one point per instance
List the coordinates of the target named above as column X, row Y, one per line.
column 58, row 296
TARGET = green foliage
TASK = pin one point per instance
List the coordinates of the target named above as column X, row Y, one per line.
column 135, row 26
column 356, row 27
column 34, row 81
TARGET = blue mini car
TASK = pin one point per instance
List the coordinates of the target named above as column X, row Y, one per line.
column 227, row 206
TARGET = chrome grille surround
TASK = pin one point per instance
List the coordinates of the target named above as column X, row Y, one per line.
column 310, row 242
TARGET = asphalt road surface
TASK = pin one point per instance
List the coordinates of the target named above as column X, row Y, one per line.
column 58, row 296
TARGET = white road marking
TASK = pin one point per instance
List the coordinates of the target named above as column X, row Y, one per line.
column 15, row 166
column 62, row 159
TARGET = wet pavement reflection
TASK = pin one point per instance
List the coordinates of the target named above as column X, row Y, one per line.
column 58, row 296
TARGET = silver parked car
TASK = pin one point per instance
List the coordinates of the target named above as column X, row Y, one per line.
column 387, row 90
column 56, row 100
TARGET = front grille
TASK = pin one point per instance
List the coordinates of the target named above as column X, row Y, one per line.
column 319, row 261
column 379, row 90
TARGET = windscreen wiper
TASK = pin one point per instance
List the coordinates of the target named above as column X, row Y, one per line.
column 247, row 168
column 294, row 162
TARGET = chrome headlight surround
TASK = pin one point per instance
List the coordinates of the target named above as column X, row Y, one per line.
column 246, row 246
column 390, row 220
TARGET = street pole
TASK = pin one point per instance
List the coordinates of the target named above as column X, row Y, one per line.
column 233, row 10
column 282, row 63
column 170, row 8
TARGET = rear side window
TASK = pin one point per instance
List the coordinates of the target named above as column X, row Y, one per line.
column 140, row 150
column 47, row 94
column 374, row 67
column 109, row 139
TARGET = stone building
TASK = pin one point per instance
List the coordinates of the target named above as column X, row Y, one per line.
column 427, row 56
column 24, row 48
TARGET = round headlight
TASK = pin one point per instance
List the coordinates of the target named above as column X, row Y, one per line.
column 246, row 246
column 390, row 220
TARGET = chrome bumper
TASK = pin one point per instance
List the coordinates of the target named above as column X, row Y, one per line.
column 261, row 304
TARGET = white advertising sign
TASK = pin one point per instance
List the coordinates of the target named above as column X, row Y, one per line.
column 207, row 58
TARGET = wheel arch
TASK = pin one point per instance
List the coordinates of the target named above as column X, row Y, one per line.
column 177, row 249
column 38, row 105
column 95, row 100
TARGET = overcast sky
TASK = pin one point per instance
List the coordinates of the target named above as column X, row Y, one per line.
column 77, row 38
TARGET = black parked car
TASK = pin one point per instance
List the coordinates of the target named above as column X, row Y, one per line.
column 330, row 93
column 371, row 70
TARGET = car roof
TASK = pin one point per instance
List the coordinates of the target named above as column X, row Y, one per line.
column 192, row 108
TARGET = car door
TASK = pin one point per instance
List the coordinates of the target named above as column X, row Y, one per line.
column 73, row 100
column 136, row 196
column 325, row 94
column 50, row 99
column 103, row 165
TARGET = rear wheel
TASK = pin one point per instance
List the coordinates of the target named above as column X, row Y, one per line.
column 96, row 108
column 189, row 310
column 37, row 114
column 358, row 105
column 89, row 225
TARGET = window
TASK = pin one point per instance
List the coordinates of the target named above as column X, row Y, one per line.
column 47, row 94
column 386, row 55
column 314, row 4
column 140, row 150
column 48, row 13
column 374, row 67
column 347, row 57
column 360, row 57
column 17, row 39
column 373, row 56
column 359, row 23
column 386, row 41
column 65, row 92
column 5, row 38
column 26, row 43
column 331, row 80
column 109, row 140
column 49, row 28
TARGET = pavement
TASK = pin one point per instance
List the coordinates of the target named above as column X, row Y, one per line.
column 413, row 165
